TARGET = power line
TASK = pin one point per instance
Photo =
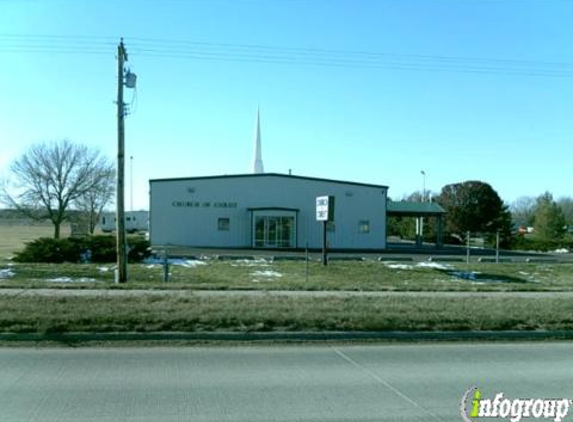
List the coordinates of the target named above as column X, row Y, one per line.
column 353, row 64
column 23, row 43
column 320, row 51
column 291, row 56
column 54, row 50
column 61, row 38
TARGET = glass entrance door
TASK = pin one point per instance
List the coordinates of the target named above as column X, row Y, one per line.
column 271, row 238
column 274, row 232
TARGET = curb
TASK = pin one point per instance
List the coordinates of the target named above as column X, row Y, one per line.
column 293, row 336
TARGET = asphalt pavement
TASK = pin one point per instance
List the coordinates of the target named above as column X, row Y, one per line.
column 415, row 382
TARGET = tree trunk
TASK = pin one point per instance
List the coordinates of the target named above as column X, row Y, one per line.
column 57, row 230
column 93, row 222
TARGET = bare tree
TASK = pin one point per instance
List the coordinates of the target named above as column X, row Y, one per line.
column 92, row 202
column 523, row 210
column 50, row 177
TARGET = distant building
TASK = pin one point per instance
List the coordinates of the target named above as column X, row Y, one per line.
column 135, row 221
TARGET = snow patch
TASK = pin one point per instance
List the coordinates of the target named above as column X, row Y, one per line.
column 561, row 251
column 251, row 263
column 434, row 265
column 399, row 266
column 7, row 273
column 189, row 263
column 71, row 280
column 267, row 273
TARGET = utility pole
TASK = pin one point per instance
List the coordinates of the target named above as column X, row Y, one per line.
column 131, row 182
column 120, row 200
column 421, row 228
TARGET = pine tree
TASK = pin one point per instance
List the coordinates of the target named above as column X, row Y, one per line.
column 549, row 220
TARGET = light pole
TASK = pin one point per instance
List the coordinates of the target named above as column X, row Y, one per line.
column 423, row 185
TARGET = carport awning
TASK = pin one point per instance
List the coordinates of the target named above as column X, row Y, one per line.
column 414, row 209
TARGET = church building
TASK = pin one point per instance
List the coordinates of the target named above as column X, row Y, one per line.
column 265, row 210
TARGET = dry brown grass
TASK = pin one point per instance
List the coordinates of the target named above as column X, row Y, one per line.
column 36, row 314
column 14, row 234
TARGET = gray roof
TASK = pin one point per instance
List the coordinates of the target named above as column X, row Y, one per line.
column 404, row 208
column 254, row 175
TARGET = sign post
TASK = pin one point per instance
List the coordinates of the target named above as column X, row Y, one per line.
column 325, row 213
column 324, row 244
column 497, row 247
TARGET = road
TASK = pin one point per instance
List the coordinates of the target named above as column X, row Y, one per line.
column 336, row 383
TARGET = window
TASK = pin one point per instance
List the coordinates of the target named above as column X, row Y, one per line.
column 364, row 226
column 223, row 224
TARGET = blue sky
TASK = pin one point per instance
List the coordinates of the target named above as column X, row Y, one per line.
column 368, row 91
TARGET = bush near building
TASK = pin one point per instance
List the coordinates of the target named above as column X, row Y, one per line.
column 90, row 249
column 533, row 243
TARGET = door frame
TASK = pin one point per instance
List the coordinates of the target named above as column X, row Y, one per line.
column 273, row 212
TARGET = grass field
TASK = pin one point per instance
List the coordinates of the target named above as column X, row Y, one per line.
column 267, row 275
column 187, row 312
column 282, row 275
column 14, row 235
column 190, row 314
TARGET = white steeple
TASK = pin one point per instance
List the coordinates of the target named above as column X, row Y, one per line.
column 258, row 161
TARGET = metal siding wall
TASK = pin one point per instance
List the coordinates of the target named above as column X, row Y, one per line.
column 198, row 226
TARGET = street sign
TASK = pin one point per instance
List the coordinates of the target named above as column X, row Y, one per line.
column 325, row 208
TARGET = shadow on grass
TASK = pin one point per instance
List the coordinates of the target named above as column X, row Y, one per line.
column 478, row 277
